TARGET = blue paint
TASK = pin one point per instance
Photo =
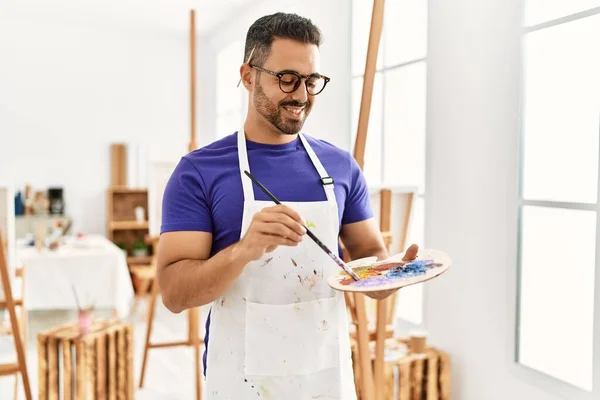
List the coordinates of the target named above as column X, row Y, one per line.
column 413, row 268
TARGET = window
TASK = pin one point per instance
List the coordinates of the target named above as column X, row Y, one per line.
column 559, row 193
column 230, row 100
column 395, row 148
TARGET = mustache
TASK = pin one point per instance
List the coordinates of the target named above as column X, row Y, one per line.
column 293, row 104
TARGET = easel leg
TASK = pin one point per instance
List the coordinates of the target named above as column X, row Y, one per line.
column 143, row 288
column 151, row 308
column 17, row 337
column 24, row 336
column 380, row 349
column 16, row 387
column 194, row 340
column 17, row 330
column 364, row 356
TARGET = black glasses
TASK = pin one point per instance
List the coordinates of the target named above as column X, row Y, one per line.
column 289, row 81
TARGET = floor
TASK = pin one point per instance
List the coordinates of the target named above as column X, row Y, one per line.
column 169, row 372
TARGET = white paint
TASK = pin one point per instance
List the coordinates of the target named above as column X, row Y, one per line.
column 329, row 119
column 472, row 187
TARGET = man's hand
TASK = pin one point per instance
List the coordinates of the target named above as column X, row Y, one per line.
column 272, row 227
column 410, row 255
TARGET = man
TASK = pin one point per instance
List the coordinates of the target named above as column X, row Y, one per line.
column 276, row 329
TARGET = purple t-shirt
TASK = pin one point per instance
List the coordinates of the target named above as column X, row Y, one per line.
column 205, row 193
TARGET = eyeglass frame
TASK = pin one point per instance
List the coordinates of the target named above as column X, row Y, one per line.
column 278, row 75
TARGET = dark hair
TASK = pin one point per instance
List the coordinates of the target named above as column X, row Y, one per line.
column 264, row 30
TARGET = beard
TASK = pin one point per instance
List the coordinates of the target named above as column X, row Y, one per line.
column 285, row 121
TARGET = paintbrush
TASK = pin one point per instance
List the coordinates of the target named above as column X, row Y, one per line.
column 76, row 298
column 247, row 61
column 335, row 258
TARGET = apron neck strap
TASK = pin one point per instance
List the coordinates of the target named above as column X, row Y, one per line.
column 326, row 180
column 244, row 165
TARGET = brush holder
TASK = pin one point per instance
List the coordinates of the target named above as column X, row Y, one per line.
column 84, row 318
column 418, row 341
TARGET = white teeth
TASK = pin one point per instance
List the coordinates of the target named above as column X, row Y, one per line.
column 295, row 110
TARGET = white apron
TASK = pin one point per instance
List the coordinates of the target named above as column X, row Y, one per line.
column 280, row 332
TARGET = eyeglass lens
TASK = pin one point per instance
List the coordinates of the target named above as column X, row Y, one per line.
column 290, row 82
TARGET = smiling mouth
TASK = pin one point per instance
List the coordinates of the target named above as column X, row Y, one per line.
column 294, row 111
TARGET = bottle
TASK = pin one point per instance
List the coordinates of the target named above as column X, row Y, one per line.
column 19, row 209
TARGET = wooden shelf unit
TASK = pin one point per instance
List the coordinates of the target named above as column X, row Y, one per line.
column 122, row 227
column 133, row 260
column 128, row 225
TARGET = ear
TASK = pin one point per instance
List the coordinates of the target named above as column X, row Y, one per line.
column 247, row 76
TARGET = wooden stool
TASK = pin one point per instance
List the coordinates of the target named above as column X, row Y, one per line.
column 145, row 274
column 102, row 366
column 412, row 376
column 193, row 338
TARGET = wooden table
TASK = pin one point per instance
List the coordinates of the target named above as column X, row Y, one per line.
column 97, row 365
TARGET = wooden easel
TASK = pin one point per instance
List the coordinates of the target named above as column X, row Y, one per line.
column 193, row 320
column 192, row 145
column 193, row 313
column 372, row 375
column 17, row 330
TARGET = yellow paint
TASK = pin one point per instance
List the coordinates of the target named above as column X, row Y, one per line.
column 265, row 391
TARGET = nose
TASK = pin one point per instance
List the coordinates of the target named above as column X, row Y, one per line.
column 301, row 94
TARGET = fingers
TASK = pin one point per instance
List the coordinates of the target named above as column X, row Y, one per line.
column 278, row 230
column 282, row 220
column 283, row 209
column 380, row 295
column 273, row 227
column 411, row 253
column 276, row 241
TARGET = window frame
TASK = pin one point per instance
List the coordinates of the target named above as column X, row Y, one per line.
column 530, row 375
column 384, row 71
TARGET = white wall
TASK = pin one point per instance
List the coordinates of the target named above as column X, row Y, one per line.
column 472, row 188
column 329, row 119
column 70, row 85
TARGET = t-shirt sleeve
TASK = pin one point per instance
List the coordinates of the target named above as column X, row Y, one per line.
column 358, row 205
column 185, row 206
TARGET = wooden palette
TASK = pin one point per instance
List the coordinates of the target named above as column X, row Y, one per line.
column 391, row 273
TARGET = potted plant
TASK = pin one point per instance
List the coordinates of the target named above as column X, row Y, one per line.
column 139, row 249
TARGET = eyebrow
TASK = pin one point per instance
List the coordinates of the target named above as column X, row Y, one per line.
column 314, row 74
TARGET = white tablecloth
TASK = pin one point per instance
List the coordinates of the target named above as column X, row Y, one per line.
column 93, row 265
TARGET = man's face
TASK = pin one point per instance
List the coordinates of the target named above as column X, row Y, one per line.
column 286, row 111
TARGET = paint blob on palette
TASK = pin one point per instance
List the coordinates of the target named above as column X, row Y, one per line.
column 392, row 273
